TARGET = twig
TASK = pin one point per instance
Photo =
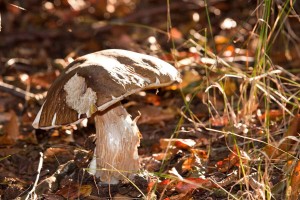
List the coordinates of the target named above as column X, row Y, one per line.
column 32, row 194
column 20, row 92
column 52, row 183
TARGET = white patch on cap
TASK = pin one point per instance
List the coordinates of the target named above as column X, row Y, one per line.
column 79, row 97
column 36, row 121
column 157, row 80
column 124, row 74
column 53, row 120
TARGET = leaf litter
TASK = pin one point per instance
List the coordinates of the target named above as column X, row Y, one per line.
column 192, row 147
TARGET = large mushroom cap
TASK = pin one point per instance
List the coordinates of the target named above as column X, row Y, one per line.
column 98, row 80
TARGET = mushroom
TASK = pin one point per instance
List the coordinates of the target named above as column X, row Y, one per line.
column 93, row 85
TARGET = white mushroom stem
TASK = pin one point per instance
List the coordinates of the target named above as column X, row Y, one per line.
column 116, row 146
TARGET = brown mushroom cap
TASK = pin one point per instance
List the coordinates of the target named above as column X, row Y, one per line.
column 98, row 80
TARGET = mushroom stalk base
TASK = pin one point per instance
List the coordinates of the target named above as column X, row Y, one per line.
column 116, row 146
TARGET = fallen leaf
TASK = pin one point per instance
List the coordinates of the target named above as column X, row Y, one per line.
column 179, row 55
column 286, row 145
column 232, row 160
column 272, row 115
column 219, row 121
column 175, row 34
column 58, row 154
column 200, row 153
column 189, row 184
column 162, row 156
column 153, row 99
column 75, row 191
column 160, row 186
column 229, row 51
column 44, row 79
column 194, row 160
column 230, row 87
column 295, row 183
column 227, row 163
column 184, row 144
column 10, row 128
column 188, row 163
column 182, row 196
column 220, row 39
column 121, row 196
column 189, row 77
column 155, row 115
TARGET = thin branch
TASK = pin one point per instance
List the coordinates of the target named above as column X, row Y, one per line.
column 5, row 87
column 32, row 194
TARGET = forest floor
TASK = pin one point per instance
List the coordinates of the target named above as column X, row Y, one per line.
column 230, row 130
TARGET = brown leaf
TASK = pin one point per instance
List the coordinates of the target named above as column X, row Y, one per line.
column 182, row 196
column 272, row 115
column 219, row 121
column 228, row 163
column 188, row 163
column 160, row 186
column 219, row 39
column 189, row 77
column 58, row 154
column 155, row 115
column 295, row 182
column 232, row 160
column 230, row 87
column 121, row 196
column 75, row 191
column 293, row 130
column 162, row 156
column 153, row 99
column 176, row 142
column 44, row 80
column 199, row 153
column 10, row 130
column 189, row 184
column 175, row 34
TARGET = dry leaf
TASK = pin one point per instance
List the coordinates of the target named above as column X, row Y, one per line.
column 189, row 77
column 176, row 142
column 44, row 79
column 229, row 87
column 195, row 160
column 75, row 191
column 175, row 34
column 219, row 39
column 182, row 196
column 58, row 154
column 188, row 163
column 153, row 99
column 295, row 183
column 232, row 160
column 293, row 130
column 123, row 197
column 162, row 156
column 199, row 153
column 161, row 185
column 228, row 163
column 272, row 115
column 155, row 115
column 189, row 184
column 219, row 121
column 10, row 129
